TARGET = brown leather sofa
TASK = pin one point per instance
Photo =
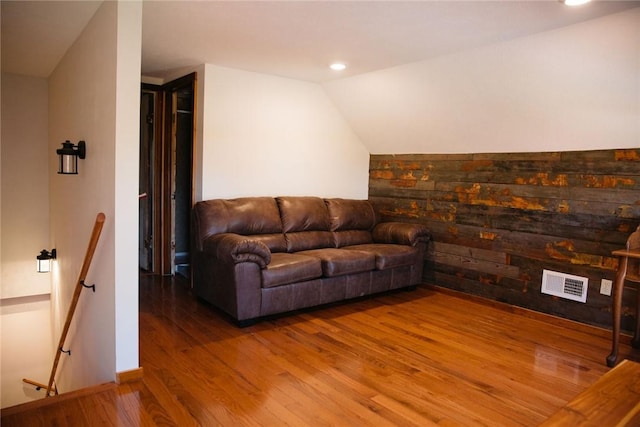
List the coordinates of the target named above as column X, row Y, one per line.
column 258, row 256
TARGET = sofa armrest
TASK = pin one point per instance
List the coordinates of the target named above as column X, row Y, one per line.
column 401, row 233
column 235, row 248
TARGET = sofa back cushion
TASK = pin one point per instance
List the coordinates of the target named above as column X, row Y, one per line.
column 346, row 214
column 351, row 221
column 246, row 216
column 305, row 222
column 303, row 214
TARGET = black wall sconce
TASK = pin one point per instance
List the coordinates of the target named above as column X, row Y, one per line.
column 68, row 157
column 44, row 260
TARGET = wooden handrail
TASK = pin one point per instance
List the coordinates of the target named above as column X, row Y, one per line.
column 93, row 242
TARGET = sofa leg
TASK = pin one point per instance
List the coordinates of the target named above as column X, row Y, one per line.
column 246, row 323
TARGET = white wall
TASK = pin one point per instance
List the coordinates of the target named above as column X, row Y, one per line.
column 25, row 185
column 267, row 135
column 27, row 347
column 127, row 152
column 576, row 88
column 24, row 294
column 94, row 96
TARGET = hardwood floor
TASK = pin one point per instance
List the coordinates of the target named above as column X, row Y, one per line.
column 427, row 357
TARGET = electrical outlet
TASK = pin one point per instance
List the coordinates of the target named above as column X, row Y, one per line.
column 605, row 286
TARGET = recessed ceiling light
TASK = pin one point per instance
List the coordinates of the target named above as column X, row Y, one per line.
column 575, row 2
column 337, row 66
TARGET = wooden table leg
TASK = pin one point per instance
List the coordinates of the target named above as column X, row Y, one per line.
column 616, row 302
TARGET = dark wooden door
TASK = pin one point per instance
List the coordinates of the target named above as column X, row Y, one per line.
column 146, row 180
column 166, row 176
column 182, row 182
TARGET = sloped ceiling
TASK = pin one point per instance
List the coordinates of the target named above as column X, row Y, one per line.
column 290, row 39
column 573, row 88
column 36, row 34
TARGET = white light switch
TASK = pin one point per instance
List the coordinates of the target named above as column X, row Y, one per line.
column 605, row 287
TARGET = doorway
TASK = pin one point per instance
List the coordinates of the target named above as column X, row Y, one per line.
column 166, row 176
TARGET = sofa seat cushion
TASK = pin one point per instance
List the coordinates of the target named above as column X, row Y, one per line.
column 286, row 268
column 388, row 255
column 338, row 262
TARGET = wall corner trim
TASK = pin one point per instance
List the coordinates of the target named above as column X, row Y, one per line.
column 129, row 376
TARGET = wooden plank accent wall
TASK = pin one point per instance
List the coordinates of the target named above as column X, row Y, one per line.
column 498, row 220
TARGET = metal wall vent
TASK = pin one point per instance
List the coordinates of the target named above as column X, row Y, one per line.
column 565, row 285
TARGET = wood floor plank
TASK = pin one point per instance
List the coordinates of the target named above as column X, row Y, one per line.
column 425, row 358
